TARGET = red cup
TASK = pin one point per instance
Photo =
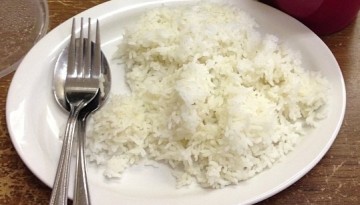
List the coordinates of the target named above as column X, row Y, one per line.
column 322, row 16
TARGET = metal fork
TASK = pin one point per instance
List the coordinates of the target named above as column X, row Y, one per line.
column 81, row 86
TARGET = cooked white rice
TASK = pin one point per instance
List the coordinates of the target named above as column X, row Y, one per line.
column 211, row 97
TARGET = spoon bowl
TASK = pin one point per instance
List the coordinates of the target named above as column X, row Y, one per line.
column 60, row 76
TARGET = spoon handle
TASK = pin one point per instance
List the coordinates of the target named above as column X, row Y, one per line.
column 60, row 190
column 81, row 190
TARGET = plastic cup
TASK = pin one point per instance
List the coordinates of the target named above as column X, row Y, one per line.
column 22, row 24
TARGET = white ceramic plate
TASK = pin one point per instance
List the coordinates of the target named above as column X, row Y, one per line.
column 35, row 121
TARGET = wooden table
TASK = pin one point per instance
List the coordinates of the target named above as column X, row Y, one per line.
column 335, row 180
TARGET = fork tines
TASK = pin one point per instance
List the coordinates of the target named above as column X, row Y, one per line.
column 83, row 43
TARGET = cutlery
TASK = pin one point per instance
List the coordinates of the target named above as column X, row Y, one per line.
column 76, row 88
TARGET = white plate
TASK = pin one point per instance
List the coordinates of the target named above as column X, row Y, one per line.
column 34, row 119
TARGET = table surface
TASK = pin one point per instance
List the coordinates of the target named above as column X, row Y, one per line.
column 335, row 180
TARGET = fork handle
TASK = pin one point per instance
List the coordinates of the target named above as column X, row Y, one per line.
column 59, row 193
column 81, row 190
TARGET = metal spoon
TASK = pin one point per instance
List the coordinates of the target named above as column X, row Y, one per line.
column 81, row 191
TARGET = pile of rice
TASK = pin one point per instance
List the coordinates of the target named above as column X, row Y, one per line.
column 210, row 96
